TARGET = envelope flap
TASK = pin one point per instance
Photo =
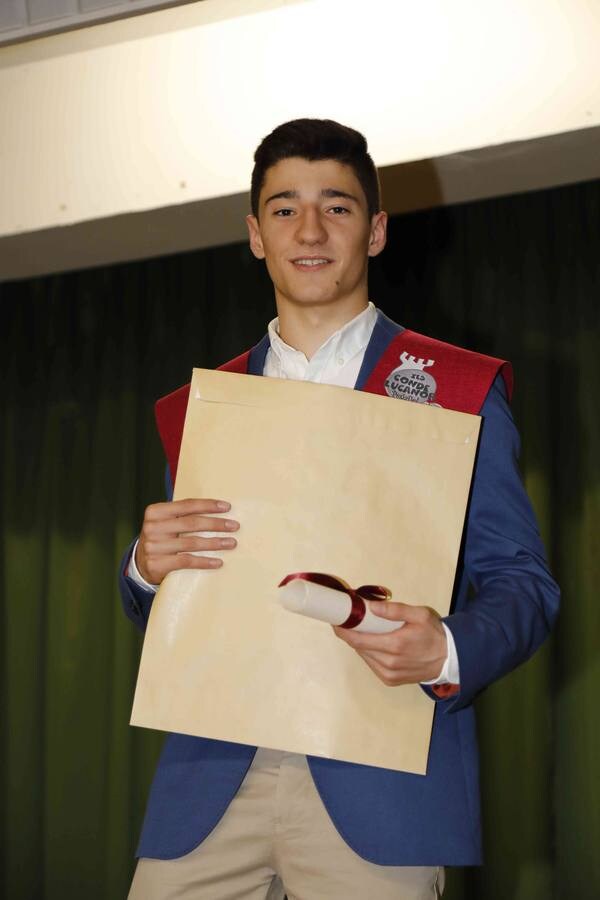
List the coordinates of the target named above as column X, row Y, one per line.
column 316, row 401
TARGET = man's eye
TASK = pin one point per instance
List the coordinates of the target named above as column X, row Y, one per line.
column 284, row 212
column 339, row 210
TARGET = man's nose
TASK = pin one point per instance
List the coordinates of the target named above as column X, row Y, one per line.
column 311, row 228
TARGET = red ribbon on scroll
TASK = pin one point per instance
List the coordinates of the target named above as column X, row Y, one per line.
column 358, row 596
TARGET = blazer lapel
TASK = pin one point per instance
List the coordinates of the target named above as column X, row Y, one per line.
column 383, row 334
column 258, row 354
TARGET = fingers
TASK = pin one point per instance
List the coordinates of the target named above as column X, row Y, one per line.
column 188, row 544
column 390, row 677
column 156, row 561
column 394, row 671
column 180, row 516
column 388, row 661
column 169, row 536
column 398, row 612
column 389, row 642
column 187, row 561
column 408, row 655
column 160, row 511
column 153, row 528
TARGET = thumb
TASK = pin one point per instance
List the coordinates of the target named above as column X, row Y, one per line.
column 390, row 609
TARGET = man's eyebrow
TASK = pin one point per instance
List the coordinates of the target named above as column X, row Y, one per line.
column 336, row 192
column 283, row 195
column 326, row 192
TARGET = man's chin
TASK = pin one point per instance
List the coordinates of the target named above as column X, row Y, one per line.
column 313, row 298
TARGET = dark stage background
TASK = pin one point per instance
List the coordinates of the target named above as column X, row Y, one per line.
column 84, row 356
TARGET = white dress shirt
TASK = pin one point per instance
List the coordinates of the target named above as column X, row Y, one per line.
column 338, row 362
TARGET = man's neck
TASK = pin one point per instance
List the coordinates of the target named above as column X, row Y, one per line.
column 306, row 328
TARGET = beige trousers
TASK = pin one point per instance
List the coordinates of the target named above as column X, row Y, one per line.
column 276, row 838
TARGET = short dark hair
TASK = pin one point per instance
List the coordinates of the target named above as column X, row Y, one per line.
column 315, row 139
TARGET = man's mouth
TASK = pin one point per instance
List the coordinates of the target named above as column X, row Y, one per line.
column 311, row 262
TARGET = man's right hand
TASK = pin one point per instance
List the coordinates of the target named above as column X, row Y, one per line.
column 166, row 540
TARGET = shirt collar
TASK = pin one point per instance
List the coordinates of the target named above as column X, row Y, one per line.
column 344, row 343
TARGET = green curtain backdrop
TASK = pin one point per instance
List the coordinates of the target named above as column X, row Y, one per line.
column 85, row 354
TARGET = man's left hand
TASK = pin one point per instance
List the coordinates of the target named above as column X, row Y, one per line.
column 411, row 654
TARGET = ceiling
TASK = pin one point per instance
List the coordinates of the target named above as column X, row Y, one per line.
column 22, row 20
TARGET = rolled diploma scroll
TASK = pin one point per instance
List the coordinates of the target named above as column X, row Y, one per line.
column 329, row 605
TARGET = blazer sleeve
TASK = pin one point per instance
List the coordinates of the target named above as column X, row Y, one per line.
column 136, row 601
column 514, row 599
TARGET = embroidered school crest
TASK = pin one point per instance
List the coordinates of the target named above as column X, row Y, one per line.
column 410, row 382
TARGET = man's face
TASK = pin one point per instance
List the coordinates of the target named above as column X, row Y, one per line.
column 314, row 232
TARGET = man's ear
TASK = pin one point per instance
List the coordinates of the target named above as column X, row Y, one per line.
column 378, row 235
column 254, row 236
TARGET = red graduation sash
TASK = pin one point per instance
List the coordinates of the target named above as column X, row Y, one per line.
column 170, row 413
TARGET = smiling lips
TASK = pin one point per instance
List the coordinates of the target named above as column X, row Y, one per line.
column 311, row 263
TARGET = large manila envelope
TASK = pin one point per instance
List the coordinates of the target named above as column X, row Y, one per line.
column 325, row 479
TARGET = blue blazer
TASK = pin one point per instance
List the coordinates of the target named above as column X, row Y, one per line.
column 387, row 817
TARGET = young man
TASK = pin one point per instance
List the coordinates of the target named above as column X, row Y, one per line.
column 228, row 821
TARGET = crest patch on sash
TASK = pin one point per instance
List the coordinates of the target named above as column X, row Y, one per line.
column 410, row 382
